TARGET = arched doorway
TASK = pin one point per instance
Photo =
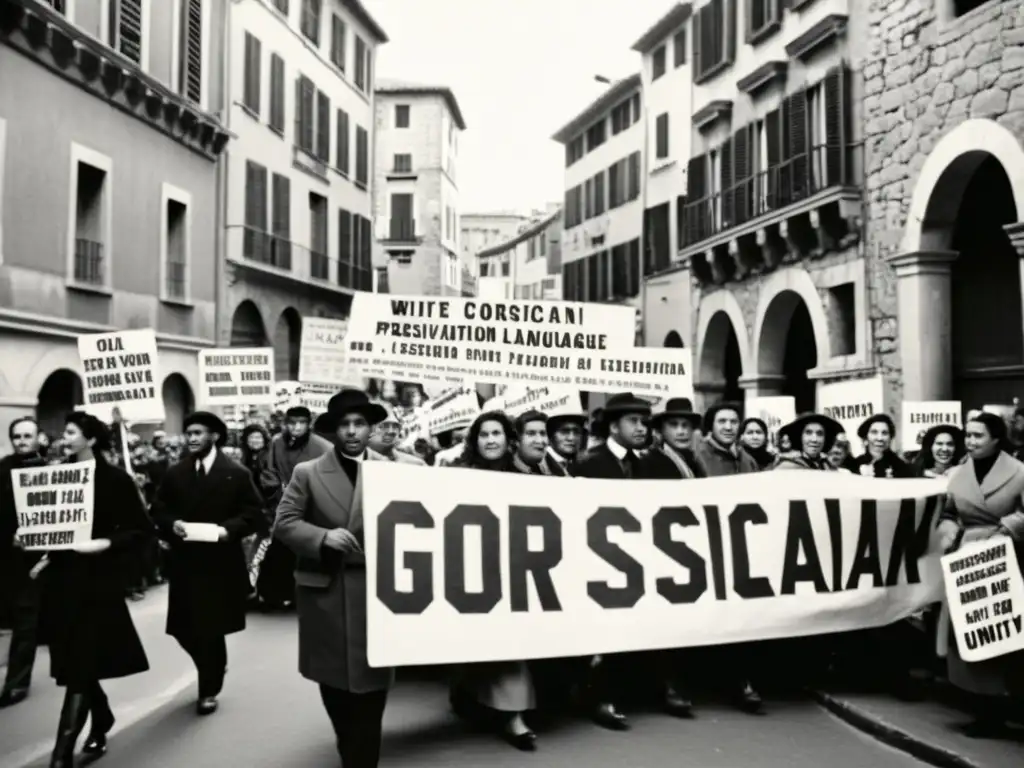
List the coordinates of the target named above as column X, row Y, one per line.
column 58, row 396
column 787, row 347
column 985, row 292
column 178, row 402
column 247, row 328
column 721, row 362
column 287, row 345
column 673, row 341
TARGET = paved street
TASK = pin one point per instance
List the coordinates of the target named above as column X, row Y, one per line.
column 270, row 716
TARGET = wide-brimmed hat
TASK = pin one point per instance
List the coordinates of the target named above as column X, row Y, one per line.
column 878, row 418
column 794, row 430
column 211, row 421
column 677, row 408
column 559, row 420
column 349, row 401
column 625, row 403
column 714, row 410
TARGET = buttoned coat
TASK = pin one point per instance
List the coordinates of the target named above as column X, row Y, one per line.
column 330, row 586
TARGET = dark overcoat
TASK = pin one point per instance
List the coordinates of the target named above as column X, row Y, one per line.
column 84, row 616
column 657, row 466
column 601, row 464
column 330, row 588
column 890, row 465
column 209, row 582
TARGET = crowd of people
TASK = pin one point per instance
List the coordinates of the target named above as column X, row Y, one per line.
column 284, row 499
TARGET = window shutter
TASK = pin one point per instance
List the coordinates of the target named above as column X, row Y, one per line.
column 129, row 28
column 323, row 127
column 726, row 182
column 697, row 42
column 251, row 95
column 260, row 197
column 343, row 141
column 192, row 51
column 344, row 248
column 282, row 209
column 729, row 27
column 798, row 148
column 250, row 194
column 741, row 174
column 277, row 92
column 837, row 123
column 696, row 189
column 307, row 115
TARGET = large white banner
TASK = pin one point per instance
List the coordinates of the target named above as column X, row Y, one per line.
column 850, row 402
column 236, row 376
column 121, row 371
column 465, row 565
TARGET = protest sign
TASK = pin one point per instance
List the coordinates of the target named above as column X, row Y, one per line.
column 850, row 402
column 120, row 369
column 467, row 566
column 322, row 353
column 774, row 411
column 316, row 396
column 549, row 400
column 236, row 376
column 920, row 416
column 985, row 595
column 468, row 341
column 54, row 504
column 453, row 410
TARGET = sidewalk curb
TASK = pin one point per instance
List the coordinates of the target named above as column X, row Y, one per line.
column 892, row 735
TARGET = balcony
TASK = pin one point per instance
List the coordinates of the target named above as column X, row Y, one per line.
column 401, row 232
column 89, row 262
column 305, row 160
column 806, row 206
column 272, row 259
column 268, row 249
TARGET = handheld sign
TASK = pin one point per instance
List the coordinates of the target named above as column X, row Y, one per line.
column 920, row 416
column 54, row 504
column 237, row 376
column 985, row 594
column 120, row 370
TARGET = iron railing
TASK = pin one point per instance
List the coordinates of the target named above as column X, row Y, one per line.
column 88, row 262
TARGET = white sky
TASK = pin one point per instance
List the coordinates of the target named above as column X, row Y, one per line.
column 520, row 70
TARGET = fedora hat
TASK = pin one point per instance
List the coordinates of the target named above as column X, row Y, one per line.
column 677, row 408
column 625, row 403
column 349, row 401
column 795, row 429
column 209, row 420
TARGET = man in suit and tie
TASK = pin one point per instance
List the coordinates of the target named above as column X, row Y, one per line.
column 209, row 580
column 625, row 418
column 320, row 518
column 565, row 436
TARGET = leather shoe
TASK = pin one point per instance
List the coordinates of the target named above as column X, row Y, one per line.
column 16, row 696
column 524, row 742
column 676, row 704
column 607, row 716
column 749, row 699
column 206, row 705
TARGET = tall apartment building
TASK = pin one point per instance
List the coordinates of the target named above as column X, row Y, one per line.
column 109, row 138
column 603, row 214
column 416, row 194
column 526, row 266
column 298, row 232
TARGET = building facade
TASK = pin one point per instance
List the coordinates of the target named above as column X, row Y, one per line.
column 478, row 231
column 108, row 218
column 527, row 266
column 944, row 124
column 298, row 231
column 602, row 218
column 416, row 196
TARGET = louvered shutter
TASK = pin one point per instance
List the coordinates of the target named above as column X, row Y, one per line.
column 282, row 212
column 250, row 194
column 129, row 29
column 729, row 27
column 726, row 182
column 192, row 51
column 260, row 199
column 773, row 143
column 741, row 174
column 344, row 248
column 798, row 144
column 837, row 124
column 277, row 92
column 697, row 42
column 696, row 189
column 251, row 91
column 323, row 127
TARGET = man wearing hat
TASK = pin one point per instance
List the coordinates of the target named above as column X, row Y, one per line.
column 674, row 459
column 384, row 439
column 320, row 519
column 565, row 440
column 209, row 581
column 625, row 418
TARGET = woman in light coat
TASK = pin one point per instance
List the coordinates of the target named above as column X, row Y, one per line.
column 985, row 498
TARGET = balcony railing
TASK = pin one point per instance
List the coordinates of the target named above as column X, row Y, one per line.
column 402, row 230
column 319, row 266
column 89, row 262
column 265, row 248
column 800, row 178
column 297, row 262
column 175, row 280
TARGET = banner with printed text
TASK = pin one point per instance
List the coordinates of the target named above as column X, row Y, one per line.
column 549, row 400
column 469, row 566
column 322, row 357
column 775, row 411
column 121, row 370
column 921, row 415
column 985, row 595
column 54, row 504
column 453, row 410
column 850, row 402
column 236, row 376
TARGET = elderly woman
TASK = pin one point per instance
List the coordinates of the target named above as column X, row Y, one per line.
column 985, row 498
column 879, row 460
column 811, row 436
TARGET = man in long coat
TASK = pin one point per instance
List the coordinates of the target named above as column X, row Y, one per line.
column 320, row 518
column 209, row 581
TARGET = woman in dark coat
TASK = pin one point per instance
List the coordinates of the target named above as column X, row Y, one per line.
column 84, row 615
column 504, row 688
column 754, row 439
column 879, row 460
column 255, row 449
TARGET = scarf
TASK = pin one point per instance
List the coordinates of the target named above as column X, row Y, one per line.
column 732, row 450
column 676, row 459
column 526, row 469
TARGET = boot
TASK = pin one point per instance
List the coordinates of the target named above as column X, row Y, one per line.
column 102, row 721
column 73, row 715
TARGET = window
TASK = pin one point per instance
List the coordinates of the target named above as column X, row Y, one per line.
column 574, row 151
column 310, row 22
column 816, row 136
column 190, row 76
column 338, row 42
column 759, row 141
column 401, row 115
column 346, row 252
column 715, row 176
column 363, row 272
column 282, row 6
column 361, row 73
column 362, row 157
column 636, row 108
column 661, row 136
column 588, row 199
column 402, row 163
column 600, row 205
column 402, row 225
column 254, row 242
column 323, row 127
column 344, row 142
column 596, row 135
column 91, row 232
column 574, row 207
column 714, row 38
column 544, row 235
column 506, row 268
column 763, row 18
column 622, row 117
column 313, row 120
column 281, row 220
column 841, row 310
column 319, row 265
column 679, row 48
column 277, row 93
column 658, row 63
column 633, row 187
column 175, row 248
column 251, row 87
column 125, row 27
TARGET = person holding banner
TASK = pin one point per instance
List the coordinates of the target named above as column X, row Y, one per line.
column 205, row 507
column 503, row 688
column 565, row 441
column 813, row 436
column 942, row 449
column 320, row 519
column 879, row 460
column 985, row 498
column 85, row 618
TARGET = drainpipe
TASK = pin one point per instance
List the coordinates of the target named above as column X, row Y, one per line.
column 222, row 324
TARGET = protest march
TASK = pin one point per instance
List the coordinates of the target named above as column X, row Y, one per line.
column 433, row 491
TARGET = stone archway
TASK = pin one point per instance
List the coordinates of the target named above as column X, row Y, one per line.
column 59, row 395
column 287, row 345
column 723, row 352
column 247, row 328
column 179, row 401
column 673, row 341
column 787, row 349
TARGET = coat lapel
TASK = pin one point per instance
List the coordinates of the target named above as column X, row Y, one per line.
column 335, row 481
column 1002, row 472
column 964, row 484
